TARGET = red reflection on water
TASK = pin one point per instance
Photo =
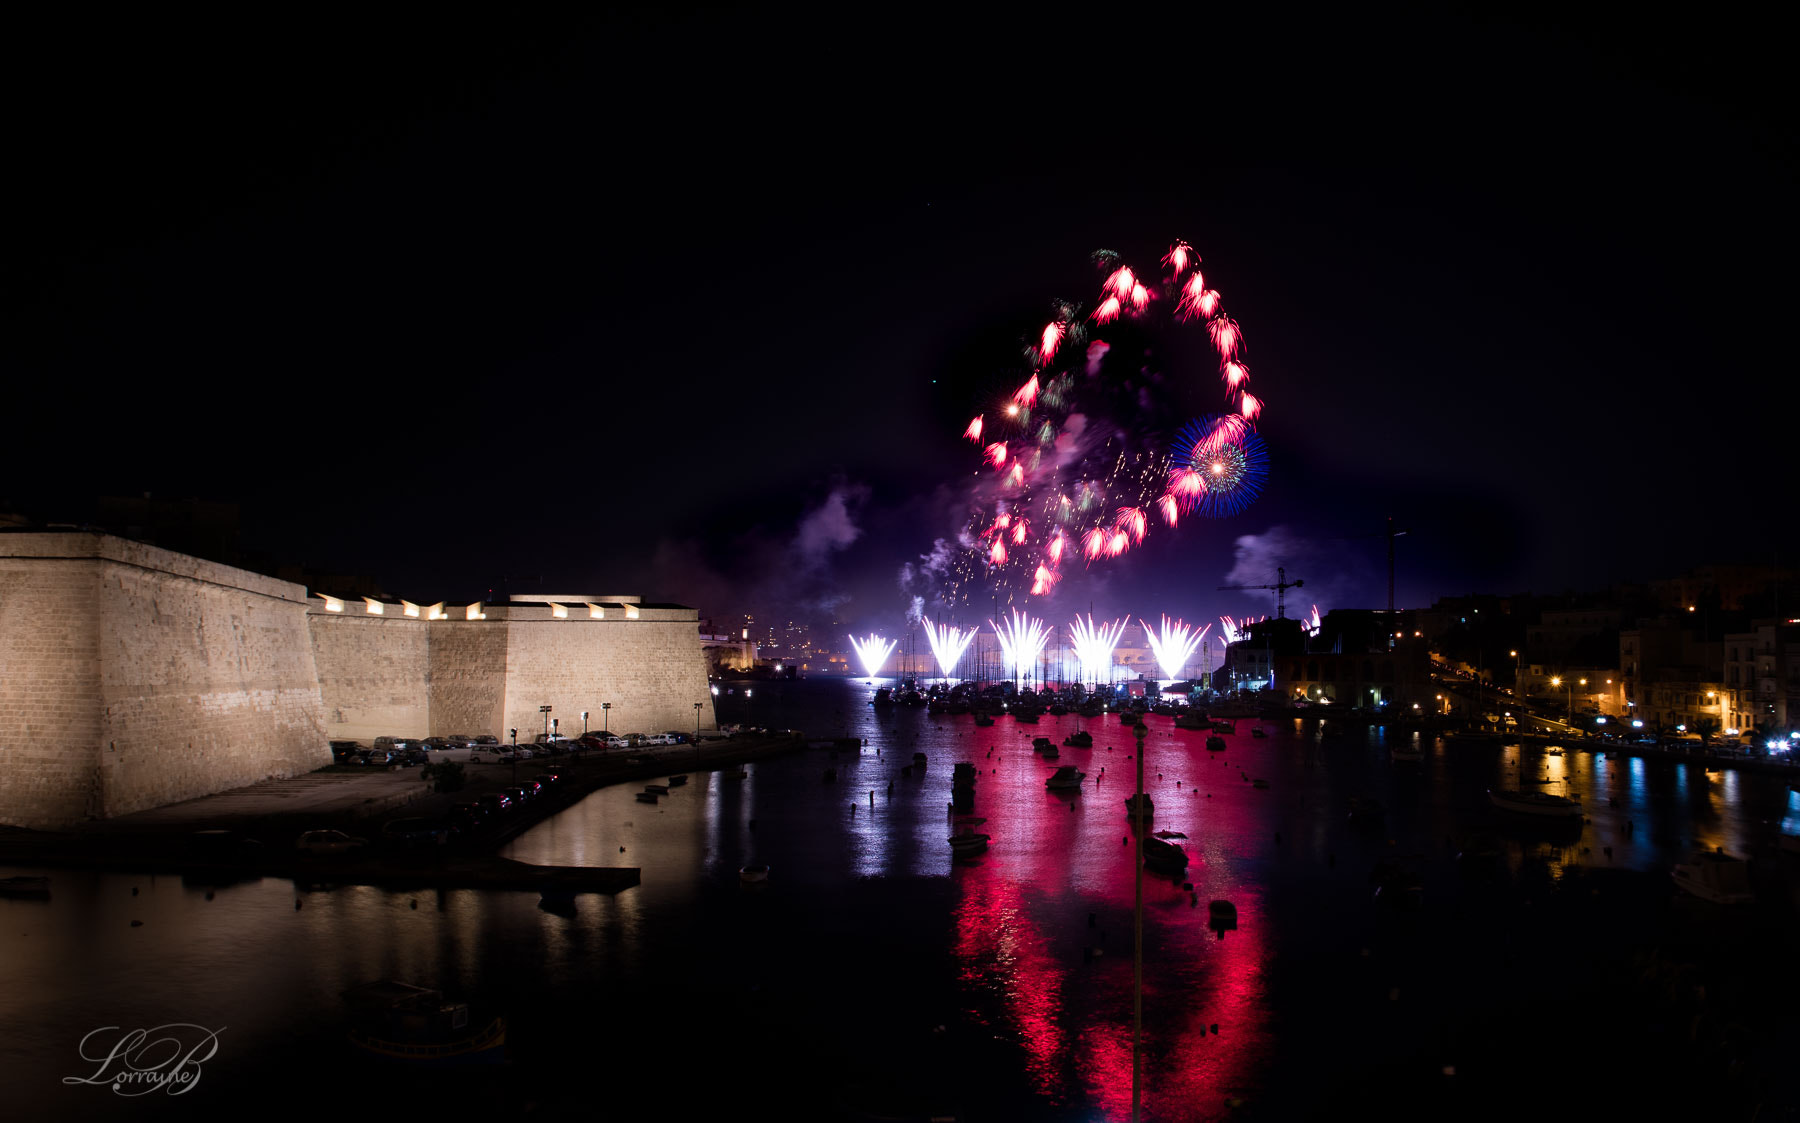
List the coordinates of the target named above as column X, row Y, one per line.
column 1023, row 924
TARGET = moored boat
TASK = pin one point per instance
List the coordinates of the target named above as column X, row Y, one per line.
column 752, row 874
column 966, row 843
column 399, row 1022
column 1080, row 739
column 1132, row 810
column 1258, row 732
column 1192, row 719
column 1713, row 875
column 1162, row 855
column 1066, row 779
column 1224, row 726
column 677, row 781
column 1215, row 744
column 1534, row 803
column 647, row 797
column 24, row 886
column 984, row 719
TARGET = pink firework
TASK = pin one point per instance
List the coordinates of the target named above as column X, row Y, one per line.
column 1052, row 339
column 1170, row 507
column 1017, row 476
column 1020, row 530
column 1191, row 294
column 1055, row 548
column 1027, row 394
column 1208, row 302
column 1119, row 284
column 1251, row 406
column 973, row 432
column 1178, row 257
column 1108, row 310
column 1043, row 581
column 1093, row 543
column 1235, row 374
column 1117, row 544
column 996, row 453
column 1187, row 483
column 997, row 554
column 1140, row 297
column 1225, row 335
column 1133, row 521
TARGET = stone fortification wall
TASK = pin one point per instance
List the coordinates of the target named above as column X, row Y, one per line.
column 374, row 674
column 50, row 705
column 172, row 678
column 468, row 676
column 650, row 668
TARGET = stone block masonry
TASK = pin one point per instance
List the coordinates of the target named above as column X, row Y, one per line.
column 134, row 677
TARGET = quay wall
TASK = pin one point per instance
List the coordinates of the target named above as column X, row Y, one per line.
column 651, row 668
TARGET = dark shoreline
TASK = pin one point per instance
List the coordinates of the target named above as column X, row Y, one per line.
column 261, row 846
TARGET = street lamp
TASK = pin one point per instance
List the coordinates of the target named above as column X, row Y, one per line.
column 1517, row 660
column 696, row 731
column 545, row 710
column 1555, row 681
column 584, row 715
column 604, row 717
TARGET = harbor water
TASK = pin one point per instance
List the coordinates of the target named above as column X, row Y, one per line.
column 874, row 975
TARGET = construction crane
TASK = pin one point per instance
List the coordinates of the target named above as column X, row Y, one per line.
column 1281, row 586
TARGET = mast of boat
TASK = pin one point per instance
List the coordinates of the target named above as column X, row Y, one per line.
column 1137, row 937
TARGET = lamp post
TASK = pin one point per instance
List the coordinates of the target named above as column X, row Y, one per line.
column 1517, row 661
column 696, row 732
column 605, row 722
column 584, row 715
column 748, row 714
column 1556, row 681
column 545, row 710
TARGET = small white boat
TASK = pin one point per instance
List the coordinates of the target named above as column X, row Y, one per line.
column 1535, row 803
column 751, row 874
column 1066, row 779
column 1715, row 876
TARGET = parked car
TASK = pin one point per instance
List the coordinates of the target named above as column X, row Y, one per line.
column 414, row 754
column 416, row 831
column 329, row 842
column 533, row 787
column 517, row 795
column 495, row 802
column 376, row 758
column 486, row 739
column 550, row 779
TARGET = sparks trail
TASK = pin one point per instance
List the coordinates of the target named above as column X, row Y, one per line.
column 1075, row 438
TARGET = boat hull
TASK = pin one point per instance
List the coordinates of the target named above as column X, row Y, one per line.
column 1544, row 808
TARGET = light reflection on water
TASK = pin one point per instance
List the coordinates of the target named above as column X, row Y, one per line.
column 992, row 948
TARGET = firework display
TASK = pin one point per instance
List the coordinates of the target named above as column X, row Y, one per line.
column 1067, row 460
column 948, row 643
column 872, row 651
column 1022, row 638
column 1094, row 646
column 1174, row 645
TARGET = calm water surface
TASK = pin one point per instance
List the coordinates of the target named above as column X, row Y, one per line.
column 873, row 974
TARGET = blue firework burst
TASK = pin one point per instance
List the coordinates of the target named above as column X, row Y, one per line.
column 1230, row 460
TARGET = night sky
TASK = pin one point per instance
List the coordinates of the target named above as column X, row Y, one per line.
column 696, row 306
